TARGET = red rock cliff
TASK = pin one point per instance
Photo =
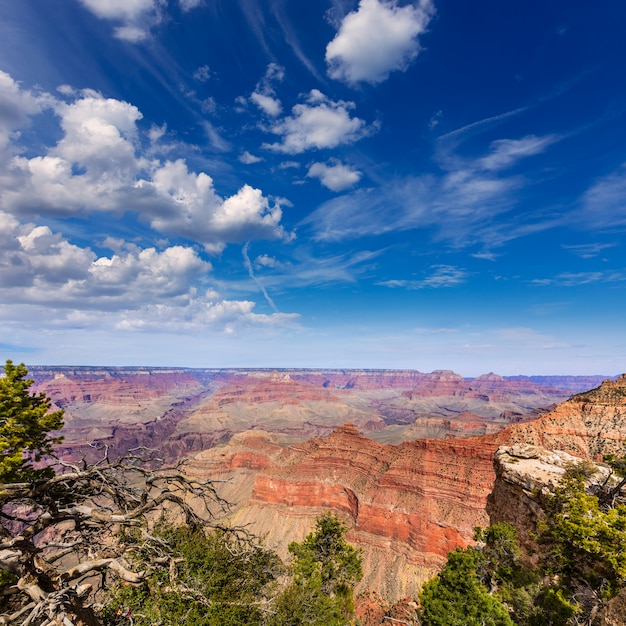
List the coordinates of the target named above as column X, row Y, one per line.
column 407, row 505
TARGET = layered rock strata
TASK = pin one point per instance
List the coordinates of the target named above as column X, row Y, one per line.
column 407, row 505
column 186, row 410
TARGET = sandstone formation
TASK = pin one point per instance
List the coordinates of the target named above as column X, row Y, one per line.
column 588, row 425
column 407, row 505
column 524, row 474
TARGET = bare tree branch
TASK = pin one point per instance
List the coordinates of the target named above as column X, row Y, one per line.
column 59, row 536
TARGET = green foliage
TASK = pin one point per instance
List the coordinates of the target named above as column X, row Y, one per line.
column 456, row 597
column 500, row 562
column 584, row 545
column 25, row 427
column 213, row 580
column 326, row 568
column 581, row 564
column 552, row 608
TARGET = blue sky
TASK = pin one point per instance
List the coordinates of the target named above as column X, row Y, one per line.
column 331, row 183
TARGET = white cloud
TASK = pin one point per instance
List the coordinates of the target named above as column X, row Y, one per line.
column 378, row 38
column 588, row 250
column 286, row 165
column 225, row 315
column 264, row 95
column 215, row 139
column 96, row 166
column 575, row 279
column 93, row 166
column 460, row 203
column 133, row 289
column 441, row 276
column 264, row 260
column 318, row 124
column 131, row 33
column 187, row 5
column 248, row 159
column 16, row 105
column 203, row 73
column 604, row 204
column 336, row 177
column 505, row 152
column 201, row 215
column 136, row 16
column 270, row 106
column 47, row 268
column 119, row 9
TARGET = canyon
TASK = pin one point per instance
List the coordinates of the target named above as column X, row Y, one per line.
column 182, row 411
column 405, row 458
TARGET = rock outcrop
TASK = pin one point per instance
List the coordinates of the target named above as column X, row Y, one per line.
column 524, row 475
column 588, row 425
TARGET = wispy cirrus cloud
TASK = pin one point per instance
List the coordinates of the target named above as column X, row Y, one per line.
column 304, row 269
column 588, row 250
column 378, row 38
column 460, row 202
column 604, row 204
column 576, row 279
column 441, row 276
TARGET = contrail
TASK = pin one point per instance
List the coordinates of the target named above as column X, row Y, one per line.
column 246, row 261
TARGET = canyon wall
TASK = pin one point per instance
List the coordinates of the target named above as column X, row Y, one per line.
column 406, row 505
column 280, row 442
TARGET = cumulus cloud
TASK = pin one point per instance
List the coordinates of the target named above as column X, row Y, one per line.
column 248, row 159
column 16, row 105
column 93, row 166
column 202, row 73
column 264, row 95
column 97, row 166
column 335, row 176
column 269, row 105
column 134, row 288
column 228, row 316
column 119, row 9
column 48, row 268
column 317, row 124
column 201, row 215
column 378, row 38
